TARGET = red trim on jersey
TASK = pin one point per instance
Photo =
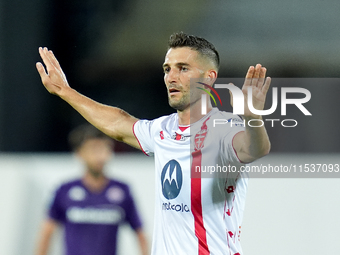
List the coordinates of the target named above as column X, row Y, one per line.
column 196, row 206
column 229, row 210
column 183, row 128
column 133, row 130
column 228, row 242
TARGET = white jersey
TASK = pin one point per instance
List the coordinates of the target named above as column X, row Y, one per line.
column 194, row 215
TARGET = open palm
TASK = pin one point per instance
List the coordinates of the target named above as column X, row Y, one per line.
column 256, row 82
column 53, row 77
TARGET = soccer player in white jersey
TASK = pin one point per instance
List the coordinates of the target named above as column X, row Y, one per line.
column 192, row 215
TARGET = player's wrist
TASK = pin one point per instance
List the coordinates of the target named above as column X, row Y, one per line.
column 252, row 117
column 67, row 93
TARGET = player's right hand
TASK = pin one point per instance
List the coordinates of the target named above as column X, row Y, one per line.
column 54, row 79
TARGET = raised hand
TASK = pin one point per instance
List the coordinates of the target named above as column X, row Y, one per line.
column 255, row 79
column 54, row 79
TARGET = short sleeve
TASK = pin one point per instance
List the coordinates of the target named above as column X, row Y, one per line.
column 56, row 211
column 228, row 151
column 142, row 131
column 132, row 215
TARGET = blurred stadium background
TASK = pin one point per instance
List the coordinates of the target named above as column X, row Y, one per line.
column 112, row 51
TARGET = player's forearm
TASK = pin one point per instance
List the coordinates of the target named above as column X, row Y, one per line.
column 256, row 141
column 142, row 242
column 43, row 246
column 110, row 120
column 47, row 231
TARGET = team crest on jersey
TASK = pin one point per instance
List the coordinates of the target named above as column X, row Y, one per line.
column 171, row 179
column 115, row 194
column 200, row 136
column 77, row 193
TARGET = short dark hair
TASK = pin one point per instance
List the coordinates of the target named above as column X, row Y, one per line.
column 85, row 132
column 199, row 44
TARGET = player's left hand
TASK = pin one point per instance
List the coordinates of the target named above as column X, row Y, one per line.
column 257, row 81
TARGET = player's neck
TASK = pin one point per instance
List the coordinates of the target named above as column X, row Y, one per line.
column 95, row 183
column 191, row 114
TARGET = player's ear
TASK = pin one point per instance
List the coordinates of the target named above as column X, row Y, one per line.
column 212, row 76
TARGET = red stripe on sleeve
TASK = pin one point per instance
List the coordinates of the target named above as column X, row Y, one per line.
column 133, row 130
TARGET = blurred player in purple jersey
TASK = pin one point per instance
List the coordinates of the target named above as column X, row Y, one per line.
column 92, row 208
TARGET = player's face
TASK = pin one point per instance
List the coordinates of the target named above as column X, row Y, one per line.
column 95, row 153
column 180, row 65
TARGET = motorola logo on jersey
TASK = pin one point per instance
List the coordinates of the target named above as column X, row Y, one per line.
column 175, row 207
column 171, row 179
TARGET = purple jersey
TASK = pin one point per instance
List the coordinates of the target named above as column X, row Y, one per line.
column 90, row 219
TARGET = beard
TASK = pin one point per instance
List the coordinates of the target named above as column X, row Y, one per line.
column 188, row 99
column 180, row 104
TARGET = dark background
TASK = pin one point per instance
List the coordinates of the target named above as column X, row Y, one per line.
column 112, row 51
